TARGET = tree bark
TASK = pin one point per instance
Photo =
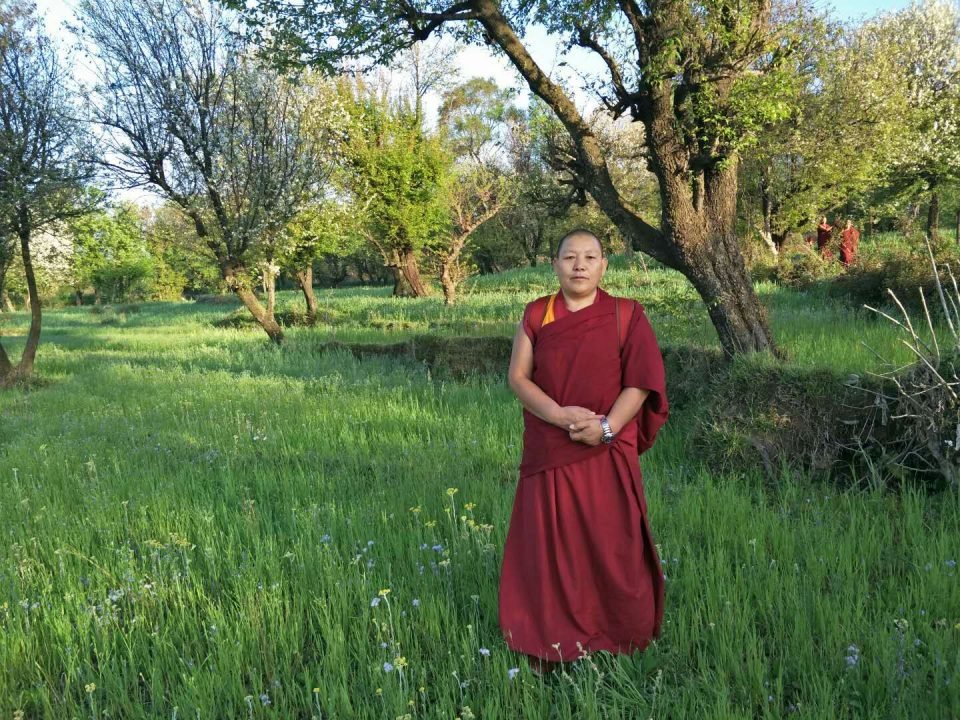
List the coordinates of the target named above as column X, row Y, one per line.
column 231, row 274
column 696, row 234
column 27, row 360
column 767, row 205
column 6, row 304
column 958, row 226
column 449, row 286
column 305, row 278
column 270, row 285
column 933, row 216
column 411, row 273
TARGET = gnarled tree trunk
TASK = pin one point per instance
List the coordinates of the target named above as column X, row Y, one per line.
column 305, row 279
column 232, row 274
column 411, row 273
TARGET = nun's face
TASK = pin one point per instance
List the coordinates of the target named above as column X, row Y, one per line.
column 580, row 265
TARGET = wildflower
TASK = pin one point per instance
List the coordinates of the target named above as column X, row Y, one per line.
column 950, row 564
column 375, row 602
column 400, row 661
column 384, row 645
column 512, row 672
column 423, row 546
column 369, row 543
column 853, row 656
column 384, row 592
column 438, row 548
column 452, row 491
column 415, row 602
column 415, row 510
column 485, row 652
column 901, row 624
column 264, row 699
column 430, row 523
column 469, row 506
column 325, row 538
column 90, row 688
column 387, row 667
column 379, row 691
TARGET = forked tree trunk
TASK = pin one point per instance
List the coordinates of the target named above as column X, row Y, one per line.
column 27, row 360
column 933, row 216
column 305, row 278
column 232, row 275
column 702, row 225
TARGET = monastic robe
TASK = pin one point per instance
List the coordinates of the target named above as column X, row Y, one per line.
column 579, row 564
column 824, row 233
column 849, row 240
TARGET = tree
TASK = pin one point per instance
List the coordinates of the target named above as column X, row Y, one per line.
column 190, row 114
column 700, row 76
column 394, row 174
column 43, row 170
column 326, row 228
column 840, row 136
column 108, row 252
column 476, row 118
column 924, row 42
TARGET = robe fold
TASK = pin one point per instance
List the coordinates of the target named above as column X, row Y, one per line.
column 849, row 240
column 579, row 564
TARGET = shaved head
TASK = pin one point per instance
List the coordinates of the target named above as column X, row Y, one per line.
column 578, row 232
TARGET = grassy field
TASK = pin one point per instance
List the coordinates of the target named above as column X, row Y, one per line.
column 199, row 525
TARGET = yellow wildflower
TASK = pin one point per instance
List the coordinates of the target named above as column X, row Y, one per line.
column 452, row 491
column 90, row 687
column 384, row 592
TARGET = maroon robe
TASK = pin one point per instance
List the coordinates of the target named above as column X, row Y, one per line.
column 824, row 233
column 579, row 564
column 849, row 239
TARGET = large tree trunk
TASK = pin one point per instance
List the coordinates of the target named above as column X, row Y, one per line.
column 411, row 273
column 933, row 216
column 27, row 360
column 401, row 288
column 305, row 278
column 697, row 234
column 232, row 275
column 701, row 218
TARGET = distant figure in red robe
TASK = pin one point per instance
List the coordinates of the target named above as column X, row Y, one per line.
column 849, row 240
column 824, row 234
column 580, row 571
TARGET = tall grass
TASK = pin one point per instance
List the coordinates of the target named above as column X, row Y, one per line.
column 197, row 524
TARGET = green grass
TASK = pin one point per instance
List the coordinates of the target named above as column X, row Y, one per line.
column 194, row 519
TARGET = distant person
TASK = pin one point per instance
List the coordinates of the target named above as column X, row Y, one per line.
column 849, row 240
column 580, row 571
column 824, row 235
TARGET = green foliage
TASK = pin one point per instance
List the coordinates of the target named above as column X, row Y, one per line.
column 394, row 173
column 800, row 265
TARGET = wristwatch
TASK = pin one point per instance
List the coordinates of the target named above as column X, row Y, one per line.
column 608, row 434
